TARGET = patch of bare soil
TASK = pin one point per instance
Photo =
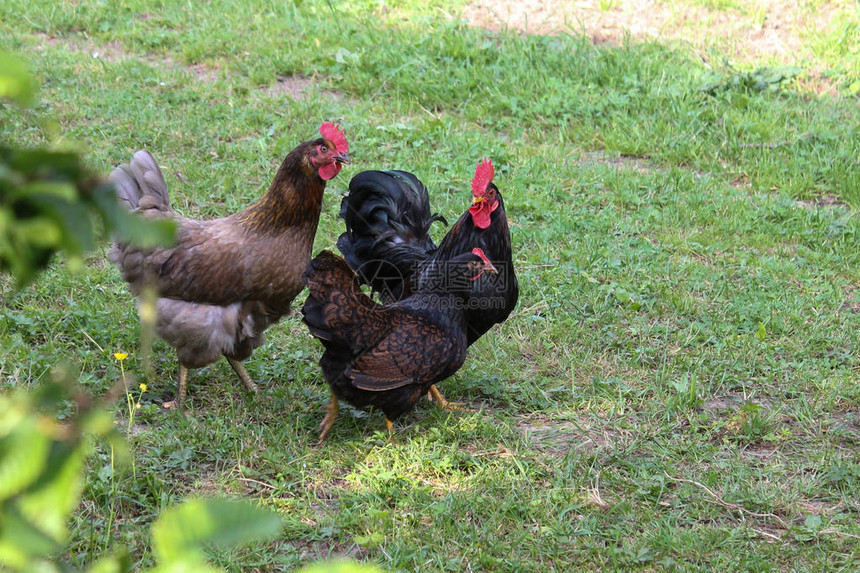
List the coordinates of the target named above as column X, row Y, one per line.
column 557, row 437
column 769, row 28
column 294, row 87
column 627, row 162
column 822, row 201
column 297, row 87
column 761, row 451
column 114, row 52
column 720, row 404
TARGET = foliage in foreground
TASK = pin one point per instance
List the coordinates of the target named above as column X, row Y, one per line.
column 48, row 199
column 47, row 203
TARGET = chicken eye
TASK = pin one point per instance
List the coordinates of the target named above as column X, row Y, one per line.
column 323, row 149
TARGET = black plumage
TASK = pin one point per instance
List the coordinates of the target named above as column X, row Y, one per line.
column 387, row 241
column 388, row 219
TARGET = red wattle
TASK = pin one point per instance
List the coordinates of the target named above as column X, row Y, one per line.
column 480, row 214
column 329, row 170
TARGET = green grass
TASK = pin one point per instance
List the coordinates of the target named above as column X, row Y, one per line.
column 677, row 387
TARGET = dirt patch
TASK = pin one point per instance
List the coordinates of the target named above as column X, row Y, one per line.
column 557, row 437
column 733, row 402
column 721, row 403
column 745, row 30
column 114, row 52
column 293, row 87
column 297, row 88
column 813, row 507
column 847, row 425
column 822, row 201
column 761, row 451
column 628, row 162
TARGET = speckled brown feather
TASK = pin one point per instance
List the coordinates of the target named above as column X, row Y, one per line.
column 382, row 356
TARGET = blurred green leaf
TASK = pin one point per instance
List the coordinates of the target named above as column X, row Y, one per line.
column 23, row 449
column 41, row 472
column 51, row 500
column 47, row 200
column 186, row 565
column 40, row 232
column 182, row 531
column 116, row 563
column 41, row 469
column 16, row 83
column 21, row 541
column 131, row 227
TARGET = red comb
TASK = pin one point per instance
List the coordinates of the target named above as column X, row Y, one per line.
column 333, row 133
column 484, row 174
column 480, row 253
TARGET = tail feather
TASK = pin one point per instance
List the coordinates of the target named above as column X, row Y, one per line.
column 127, row 189
column 327, row 272
column 388, row 219
column 141, row 186
column 334, row 301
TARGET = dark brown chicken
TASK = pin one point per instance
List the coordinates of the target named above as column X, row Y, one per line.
column 387, row 242
column 388, row 356
column 226, row 280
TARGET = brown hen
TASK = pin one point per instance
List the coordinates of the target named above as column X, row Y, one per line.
column 226, row 280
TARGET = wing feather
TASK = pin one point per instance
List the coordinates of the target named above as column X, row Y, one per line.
column 414, row 350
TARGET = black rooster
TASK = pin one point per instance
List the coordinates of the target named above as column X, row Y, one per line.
column 387, row 215
column 387, row 236
column 388, row 356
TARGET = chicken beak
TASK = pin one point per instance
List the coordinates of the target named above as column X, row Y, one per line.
column 477, row 200
column 488, row 268
column 342, row 158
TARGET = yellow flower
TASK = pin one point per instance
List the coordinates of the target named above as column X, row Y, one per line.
column 137, row 406
column 143, row 387
column 120, row 355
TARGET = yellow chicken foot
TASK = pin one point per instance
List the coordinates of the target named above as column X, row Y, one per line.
column 329, row 418
column 240, row 370
column 436, row 396
column 389, row 425
column 182, row 387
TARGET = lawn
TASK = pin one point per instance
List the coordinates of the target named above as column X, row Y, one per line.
column 677, row 388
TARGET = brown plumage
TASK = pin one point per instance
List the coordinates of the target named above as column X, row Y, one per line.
column 226, row 280
column 388, row 356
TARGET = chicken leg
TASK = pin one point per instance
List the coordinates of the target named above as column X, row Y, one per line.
column 389, row 425
column 181, row 388
column 329, row 418
column 436, row 396
column 240, row 370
